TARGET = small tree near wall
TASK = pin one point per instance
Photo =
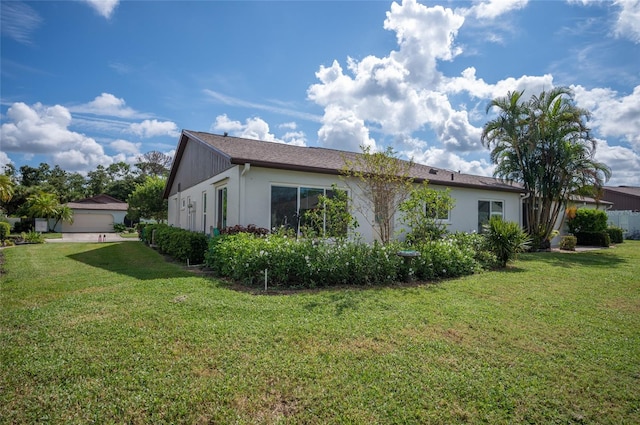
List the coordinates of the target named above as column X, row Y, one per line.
column 381, row 181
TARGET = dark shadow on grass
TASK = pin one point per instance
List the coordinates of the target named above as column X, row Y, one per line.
column 603, row 258
column 131, row 259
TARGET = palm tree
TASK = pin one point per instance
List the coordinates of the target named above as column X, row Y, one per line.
column 63, row 213
column 545, row 145
column 6, row 188
column 43, row 205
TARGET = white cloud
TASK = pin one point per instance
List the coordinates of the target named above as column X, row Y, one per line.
column 18, row 21
column 104, row 7
column 4, row 160
column 109, row 105
column 443, row 158
column 39, row 129
column 624, row 163
column 478, row 88
column 493, row 8
column 343, row 130
column 152, row 128
column 612, row 115
column 628, row 22
column 125, row 147
column 233, row 101
column 257, row 129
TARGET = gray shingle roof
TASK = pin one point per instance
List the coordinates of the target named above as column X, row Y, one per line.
column 330, row 161
column 99, row 202
column 627, row 190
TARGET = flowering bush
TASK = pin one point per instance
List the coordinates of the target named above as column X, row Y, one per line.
column 306, row 263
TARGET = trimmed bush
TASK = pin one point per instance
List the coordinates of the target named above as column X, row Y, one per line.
column 306, row 263
column 593, row 239
column 5, row 229
column 568, row 243
column 587, row 220
column 615, row 234
column 182, row 245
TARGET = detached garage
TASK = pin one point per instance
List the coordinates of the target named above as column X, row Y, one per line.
column 95, row 215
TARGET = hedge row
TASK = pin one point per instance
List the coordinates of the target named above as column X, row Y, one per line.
column 593, row 238
column 305, row 263
column 183, row 245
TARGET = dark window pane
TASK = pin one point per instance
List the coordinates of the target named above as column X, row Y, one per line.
column 284, row 206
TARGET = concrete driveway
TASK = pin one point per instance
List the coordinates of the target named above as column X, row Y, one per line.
column 92, row 237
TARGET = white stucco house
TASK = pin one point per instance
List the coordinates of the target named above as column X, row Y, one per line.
column 218, row 181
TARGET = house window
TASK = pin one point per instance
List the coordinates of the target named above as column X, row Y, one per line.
column 488, row 209
column 289, row 205
column 221, row 212
column 284, row 207
column 204, row 212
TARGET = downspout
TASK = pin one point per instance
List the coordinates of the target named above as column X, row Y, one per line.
column 522, row 199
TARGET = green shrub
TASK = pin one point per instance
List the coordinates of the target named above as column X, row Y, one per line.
column 119, row 227
column 32, row 237
column 615, row 234
column 443, row 259
column 478, row 243
column 5, row 229
column 593, row 239
column 305, row 263
column 506, row 239
column 24, row 225
column 587, row 220
column 302, row 263
column 568, row 243
column 182, row 245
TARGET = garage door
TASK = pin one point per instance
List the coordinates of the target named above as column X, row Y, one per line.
column 89, row 223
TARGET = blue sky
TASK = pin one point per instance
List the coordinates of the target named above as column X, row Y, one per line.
column 85, row 83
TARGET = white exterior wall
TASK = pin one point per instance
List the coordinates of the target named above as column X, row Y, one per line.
column 249, row 200
column 180, row 215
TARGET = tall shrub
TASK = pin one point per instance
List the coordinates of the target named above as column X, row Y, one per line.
column 587, row 220
column 506, row 239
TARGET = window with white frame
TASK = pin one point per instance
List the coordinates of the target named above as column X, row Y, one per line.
column 204, row 211
column 289, row 205
column 488, row 209
column 221, row 207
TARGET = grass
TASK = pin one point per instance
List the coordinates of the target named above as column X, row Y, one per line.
column 111, row 333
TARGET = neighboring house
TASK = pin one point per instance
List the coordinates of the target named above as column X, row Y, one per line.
column 94, row 215
column 218, row 181
column 625, row 209
column 623, row 198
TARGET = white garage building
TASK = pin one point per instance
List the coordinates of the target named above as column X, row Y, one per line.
column 95, row 215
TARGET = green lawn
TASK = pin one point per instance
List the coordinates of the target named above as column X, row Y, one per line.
column 110, row 333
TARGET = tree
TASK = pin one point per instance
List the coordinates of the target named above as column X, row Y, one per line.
column 154, row 163
column 63, row 213
column 424, row 211
column 46, row 205
column 381, row 181
column 545, row 145
column 332, row 219
column 98, row 180
column 30, row 176
column 6, row 188
column 146, row 201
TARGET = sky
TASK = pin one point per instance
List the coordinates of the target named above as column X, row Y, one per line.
column 88, row 83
